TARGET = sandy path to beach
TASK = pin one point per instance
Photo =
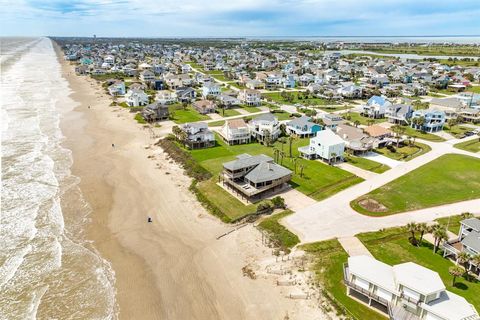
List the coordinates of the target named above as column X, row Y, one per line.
column 173, row 268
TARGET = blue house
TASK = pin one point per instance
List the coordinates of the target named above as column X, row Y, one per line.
column 433, row 120
column 303, row 127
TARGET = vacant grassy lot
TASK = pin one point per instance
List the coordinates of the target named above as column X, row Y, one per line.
column 471, row 145
column 405, row 152
column 354, row 116
column 367, row 164
column 251, row 109
column 329, row 258
column 422, row 135
column 318, row 181
column 475, row 89
column 277, row 232
column 277, row 97
column 228, row 113
column 392, row 246
column 180, row 115
column 448, row 179
column 457, row 131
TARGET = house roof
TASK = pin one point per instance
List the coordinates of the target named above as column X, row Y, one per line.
column 266, row 117
column 377, row 131
column 418, row 278
column 373, row 271
column 472, row 240
column 328, row 137
column 245, row 160
column 350, row 133
column 447, row 102
column 236, row 123
column 473, row 223
column 267, row 171
column 451, row 306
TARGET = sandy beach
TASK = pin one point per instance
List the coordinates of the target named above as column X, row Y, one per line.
column 173, row 268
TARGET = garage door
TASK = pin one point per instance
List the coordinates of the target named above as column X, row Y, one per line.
column 362, row 283
column 432, row 317
column 384, row 294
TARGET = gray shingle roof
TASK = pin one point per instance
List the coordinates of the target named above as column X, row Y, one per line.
column 473, row 223
column 267, row 171
column 472, row 240
column 245, row 160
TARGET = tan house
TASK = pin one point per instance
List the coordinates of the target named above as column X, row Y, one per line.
column 204, row 106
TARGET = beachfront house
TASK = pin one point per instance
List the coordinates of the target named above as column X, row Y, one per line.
column 404, row 291
column 155, row 111
column 303, row 127
column 235, row 131
column 428, row 120
column 117, row 88
column 331, row 120
column 252, row 177
column 136, row 98
column 250, row 97
column 166, row 96
column 468, row 241
column 199, row 136
column 399, row 113
column 210, row 90
column 265, row 125
column 375, row 107
column 326, row 145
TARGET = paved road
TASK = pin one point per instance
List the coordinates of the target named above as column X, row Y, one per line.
column 333, row 217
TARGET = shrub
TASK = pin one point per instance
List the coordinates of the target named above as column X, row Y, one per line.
column 278, row 202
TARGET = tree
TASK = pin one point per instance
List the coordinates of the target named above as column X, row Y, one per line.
column 476, row 261
column 267, row 139
column 422, row 228
column 302, row 166
column 278, row 202
column 439, row 233
column 397, row 129
column 283, row 130
column 184, row 105
column 455, row 271
column 464, row 259
column 334, row 156
column 466, row 215
column 282, row 141
column 276, row 154
column 176, row 131
column 291, row 138
column 356, row 123
column 412, row 228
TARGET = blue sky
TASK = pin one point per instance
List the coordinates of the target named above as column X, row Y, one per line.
column 197, row 18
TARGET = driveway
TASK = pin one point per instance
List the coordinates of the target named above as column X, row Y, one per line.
column 382, row 159
column 362, row 173
column 354, row 247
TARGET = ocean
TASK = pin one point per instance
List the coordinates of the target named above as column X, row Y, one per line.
column 48, row 269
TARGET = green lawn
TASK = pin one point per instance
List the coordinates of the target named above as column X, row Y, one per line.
column 448, row 179
column 470, row 145
column 329, row 258
column 367, row 164
column 333, row 108
column 277, row 97
column 228, row 113
column 475, row 89
column 319, row 180
column 404, row 152
column 392, row 246
column 283, row 115
column 180, row 115
column 277, row 232
column 422, row 135
column 216, row 123
column 353, row 116
column 457, row 131
column 251, row 109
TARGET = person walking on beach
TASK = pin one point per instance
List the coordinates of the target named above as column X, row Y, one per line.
column 113, row 145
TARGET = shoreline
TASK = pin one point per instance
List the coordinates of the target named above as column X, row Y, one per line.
column 173, row 268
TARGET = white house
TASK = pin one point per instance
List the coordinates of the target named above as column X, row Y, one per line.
column 376, row 107
column 210, row 90
column 263, row 125
column 326, row 145
column 117, row 88
column 404, row 291
column 235, row 131
column 136, row 97
column 166, row 97
column 147, row 76
column 250, row 97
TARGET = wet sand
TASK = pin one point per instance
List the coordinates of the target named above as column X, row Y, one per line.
column 173, row 268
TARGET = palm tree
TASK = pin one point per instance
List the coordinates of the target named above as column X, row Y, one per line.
column 334, row 156
column 455, row 271
column 302, row 166
column 476, row 261
column 276, row 153
column 176, row 131
column 282, row 142
column 267, row 139
column 356, row 123
column 295, row 164
column 397, row 129
column 422, row 228
column 282, row 154
column 464, row 259
column 291, row 138
column 466, row 215
column 412, row 228
column 439, row 233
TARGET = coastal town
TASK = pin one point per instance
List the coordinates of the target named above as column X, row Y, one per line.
column 360, row 168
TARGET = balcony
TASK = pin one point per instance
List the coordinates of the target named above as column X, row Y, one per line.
column 361, row 290
column 398, row 312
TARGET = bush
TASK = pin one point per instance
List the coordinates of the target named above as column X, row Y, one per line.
column 264, row 207
column 278, row 202
column 140, row 118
